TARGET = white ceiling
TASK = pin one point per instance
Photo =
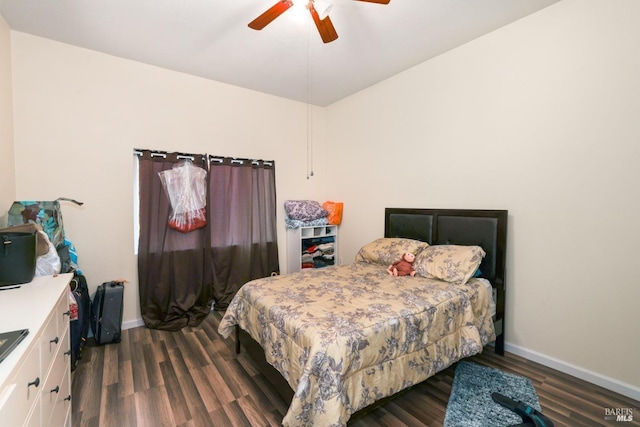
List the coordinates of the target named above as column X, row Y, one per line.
column 211, row 39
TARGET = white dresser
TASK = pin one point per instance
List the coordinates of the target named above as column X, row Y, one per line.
column 35, row 379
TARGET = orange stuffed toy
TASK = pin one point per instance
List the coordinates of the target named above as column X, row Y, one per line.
column 404, row 267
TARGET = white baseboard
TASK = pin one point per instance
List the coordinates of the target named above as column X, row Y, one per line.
column 132, row 323
column 584, row 374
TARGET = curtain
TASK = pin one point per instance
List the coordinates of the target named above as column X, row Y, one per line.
column 174, row 285
column 180, row 274
column 242, row 222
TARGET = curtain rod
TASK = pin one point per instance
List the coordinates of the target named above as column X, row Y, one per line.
column 218, row 159
column 240, row 161
column 157, row 153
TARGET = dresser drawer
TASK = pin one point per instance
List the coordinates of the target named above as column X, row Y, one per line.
column 21, row 392
column 50, row 343
column 52, row 337
column 35, row 419
column 54, row 387
column 62, row 314
column 61, row 407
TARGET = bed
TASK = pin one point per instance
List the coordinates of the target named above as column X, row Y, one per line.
column 345, row 337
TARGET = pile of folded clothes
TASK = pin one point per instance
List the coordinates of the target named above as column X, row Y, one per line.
column 318, row 252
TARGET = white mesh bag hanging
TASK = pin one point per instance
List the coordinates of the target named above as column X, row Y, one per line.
column 185, row 186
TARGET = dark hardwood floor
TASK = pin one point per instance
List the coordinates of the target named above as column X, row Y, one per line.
column 193, row 378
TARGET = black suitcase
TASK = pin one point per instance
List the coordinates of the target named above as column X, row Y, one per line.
column 106, row 312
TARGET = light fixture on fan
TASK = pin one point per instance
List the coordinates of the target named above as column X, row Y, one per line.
column 319, row 10
column 323, row 7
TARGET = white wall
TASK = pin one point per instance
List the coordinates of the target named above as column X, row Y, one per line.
column 540, row 118
column 79, row 114
column 7, row 169
column 537, row 118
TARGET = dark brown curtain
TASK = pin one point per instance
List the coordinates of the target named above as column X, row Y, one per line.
column 179, row 274
column 174, row 284
column 242, row 219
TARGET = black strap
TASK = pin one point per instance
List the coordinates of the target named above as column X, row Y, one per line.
column 70, row 200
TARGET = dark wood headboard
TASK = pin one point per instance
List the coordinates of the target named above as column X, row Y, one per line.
column 484, row 228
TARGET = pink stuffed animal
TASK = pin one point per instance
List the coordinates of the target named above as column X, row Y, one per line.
column 404, row 267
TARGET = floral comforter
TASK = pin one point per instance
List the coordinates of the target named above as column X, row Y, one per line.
column 344, row 337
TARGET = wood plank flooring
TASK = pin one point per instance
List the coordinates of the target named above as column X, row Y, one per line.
column 193, row 378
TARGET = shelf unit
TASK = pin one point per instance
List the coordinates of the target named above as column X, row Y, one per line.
column 298, row 239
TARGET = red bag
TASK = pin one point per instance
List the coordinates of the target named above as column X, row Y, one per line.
column 335, row 212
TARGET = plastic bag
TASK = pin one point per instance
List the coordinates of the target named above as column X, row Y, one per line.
column 335, row 212
column 49, row 263
column 185, row 186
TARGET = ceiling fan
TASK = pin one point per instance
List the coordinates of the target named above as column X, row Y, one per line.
column 320, row 16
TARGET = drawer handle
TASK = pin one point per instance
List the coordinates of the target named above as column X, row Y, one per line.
column 67, row 313
column 55, row 390
column 68, row 398
column 35, row 382
column 67, row 353
column 54, row 341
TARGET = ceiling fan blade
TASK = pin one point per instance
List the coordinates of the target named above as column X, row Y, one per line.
column 272, row 13
column 377, row 1
column 325, row 27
